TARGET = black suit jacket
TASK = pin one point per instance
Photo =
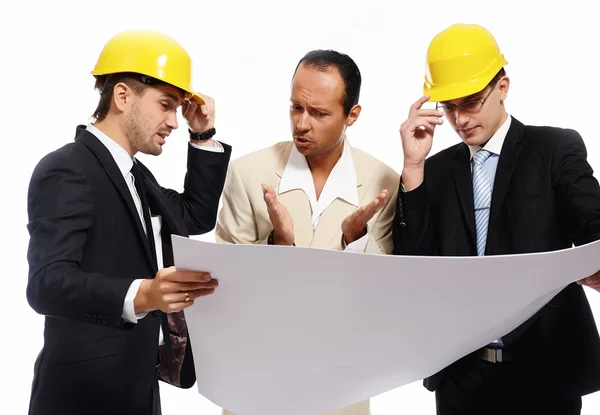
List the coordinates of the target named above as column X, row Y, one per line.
column 87, row 245
column 544, row 198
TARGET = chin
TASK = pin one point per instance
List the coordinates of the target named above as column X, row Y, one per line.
column 155, row 151
column 303, row 150
column 473, row 141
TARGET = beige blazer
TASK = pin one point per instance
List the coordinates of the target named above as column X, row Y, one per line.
column 244, row 219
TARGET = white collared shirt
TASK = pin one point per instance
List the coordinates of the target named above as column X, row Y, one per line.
column 341, row 184
column 125, row 162
column 494, row 146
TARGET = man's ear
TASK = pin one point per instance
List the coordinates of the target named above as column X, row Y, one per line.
column 122, row 96
column 503, row 86
column 353, row 115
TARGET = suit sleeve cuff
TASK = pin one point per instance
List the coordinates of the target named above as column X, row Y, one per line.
column 216, row 147
column 358, row 246
column 129, row 313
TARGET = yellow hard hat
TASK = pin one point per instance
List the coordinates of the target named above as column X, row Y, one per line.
column 461, row 61
column 148, row 53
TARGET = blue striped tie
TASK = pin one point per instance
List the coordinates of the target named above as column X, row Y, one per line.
column 482, row 197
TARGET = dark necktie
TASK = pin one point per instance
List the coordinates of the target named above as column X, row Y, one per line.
column 140, row 185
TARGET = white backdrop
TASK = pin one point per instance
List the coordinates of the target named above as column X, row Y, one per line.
column 244, row 54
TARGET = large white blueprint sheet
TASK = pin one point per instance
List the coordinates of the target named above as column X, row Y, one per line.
column 301, row 331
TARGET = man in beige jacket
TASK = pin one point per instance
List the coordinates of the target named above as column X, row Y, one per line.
column 315, row 191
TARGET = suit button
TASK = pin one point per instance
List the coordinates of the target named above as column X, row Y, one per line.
column 86, row 317
column 105, row 320
column 93, row 318
column 402, row 224
column 156, row 313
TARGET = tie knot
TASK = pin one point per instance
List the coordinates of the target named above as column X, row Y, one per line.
column 481, row 156
column 135, row 170
column 138, row 176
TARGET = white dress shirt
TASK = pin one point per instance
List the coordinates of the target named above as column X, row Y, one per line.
column 125, row 162
column 494, row 146
column 341, row 183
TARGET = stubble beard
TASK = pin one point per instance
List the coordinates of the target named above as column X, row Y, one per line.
column 137, row 135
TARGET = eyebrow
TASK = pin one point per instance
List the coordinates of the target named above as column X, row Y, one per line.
column 177, row 100
column 473, row 97
column 320, row 109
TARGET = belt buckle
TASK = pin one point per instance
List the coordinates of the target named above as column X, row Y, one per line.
column 490, row 355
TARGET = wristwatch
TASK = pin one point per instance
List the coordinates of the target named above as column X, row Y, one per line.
column 206, row 135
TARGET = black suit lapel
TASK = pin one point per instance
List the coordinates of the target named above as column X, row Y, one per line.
column 513, row 144
column 461, row 172
column 110, row 166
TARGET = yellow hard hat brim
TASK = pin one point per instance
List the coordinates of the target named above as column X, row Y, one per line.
column 442, row 93
column 198, row 98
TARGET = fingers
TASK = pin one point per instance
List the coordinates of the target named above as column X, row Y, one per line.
column 418, row 104
column 180, row 302
column 190, row 276
column 370, row 209
column 375, row 204
column 187, row 296
column 172, row 274
column 363, row 214
column 269, row 195
column 173, row 290
column 174, row 286
column 427, row 122
column 268, row 190
column 414, row 126
column 188, row 109
column 429, row 113
column 593, row 281
column 419, row 131
column 208, row 109
column 199, row 117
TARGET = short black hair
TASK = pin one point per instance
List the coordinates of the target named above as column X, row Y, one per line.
column 322, row 60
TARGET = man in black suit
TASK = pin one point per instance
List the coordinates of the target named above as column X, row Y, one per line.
column 101, row 263
column 507, row 188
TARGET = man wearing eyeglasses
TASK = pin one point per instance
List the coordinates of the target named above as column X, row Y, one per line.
column 507, row 188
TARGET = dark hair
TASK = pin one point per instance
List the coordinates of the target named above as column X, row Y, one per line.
column 105, row 84
column 497, row 77
column 322, row 60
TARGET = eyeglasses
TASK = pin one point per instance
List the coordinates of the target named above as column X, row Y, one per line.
column 470, row 107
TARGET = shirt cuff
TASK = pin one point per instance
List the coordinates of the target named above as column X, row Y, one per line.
column 358, row 246
column 215, row 148
column 129, row 313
